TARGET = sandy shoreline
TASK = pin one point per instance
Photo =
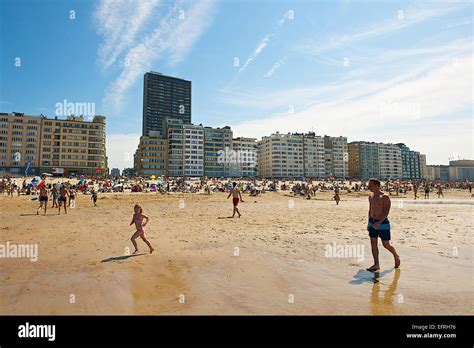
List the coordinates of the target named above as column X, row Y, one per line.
column 271, row 261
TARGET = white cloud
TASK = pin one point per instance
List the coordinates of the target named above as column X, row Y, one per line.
column 120, row 149
column 119, row 22
column 171, row 40
column 260, row 47
column 409, row 16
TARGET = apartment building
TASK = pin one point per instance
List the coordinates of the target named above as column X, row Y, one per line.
column 217, row 143
column 363, row 160
column 336, row 157
column 151, row 157
column 411, row 168
column 313, row 156
column 245, row 157
column 390, row 161
column 42, row 144
column 185, row 148
column 281, row 156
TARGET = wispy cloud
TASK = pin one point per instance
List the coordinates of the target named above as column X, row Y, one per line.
column 119, row 22
column 408, row 17
column 266, row 40
column 260, row 47
column 178, row 29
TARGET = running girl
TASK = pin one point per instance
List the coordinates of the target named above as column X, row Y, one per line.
column 137, row 219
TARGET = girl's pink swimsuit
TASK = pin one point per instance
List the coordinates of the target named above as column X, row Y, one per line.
column 138, row 218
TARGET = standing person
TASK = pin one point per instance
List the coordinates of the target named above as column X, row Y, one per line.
column 415, row 190
column 336, row 195
column 63, row 193
column 439, row 190
column 137, row 219
column 55, row 195
column 72, row 196
column 43, row 198
column 379, row 226
column 427, row 191
column 235, row 192
column 94, row 197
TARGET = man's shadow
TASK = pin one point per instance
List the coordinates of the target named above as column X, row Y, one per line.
column 120, row 258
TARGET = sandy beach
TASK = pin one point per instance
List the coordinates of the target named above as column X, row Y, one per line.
column 273, row 260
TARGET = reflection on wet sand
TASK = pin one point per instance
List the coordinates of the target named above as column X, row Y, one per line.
column 386, row 304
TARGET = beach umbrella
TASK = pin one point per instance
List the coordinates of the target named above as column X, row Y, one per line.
column 152, row 177
column 46, row 174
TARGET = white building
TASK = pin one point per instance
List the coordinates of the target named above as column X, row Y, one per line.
column 313, row 156
column 245, row 157
column 390, row 161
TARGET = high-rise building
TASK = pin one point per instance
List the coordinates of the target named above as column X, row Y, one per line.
column 390, row 161
column 313, row 156
column 336, row 157
column 281, row 156
column 164, row 97
column 363, row 160
column 115, row 172
column 41, row 144
column 245, row 157
column 217, row 143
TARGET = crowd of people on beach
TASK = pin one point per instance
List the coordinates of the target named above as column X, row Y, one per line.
column 63, row 195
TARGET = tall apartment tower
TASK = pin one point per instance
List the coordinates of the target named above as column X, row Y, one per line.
column 217, row 142
column 164, row 97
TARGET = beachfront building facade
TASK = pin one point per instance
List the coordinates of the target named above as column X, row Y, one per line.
column 245, row 157
column 411, row 168
column 151, row 157
column 36, row 144
column 185, row 149
column 19, row 143
column 390, row 161
column 363, row 160
column 217, row 144
column 422, row 166
column 458, row 170
column 336, row 157
column 461, row 170
column 281, row 156
column 164, row 97
column 313, row 156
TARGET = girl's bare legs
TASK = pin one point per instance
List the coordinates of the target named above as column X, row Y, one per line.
column 147, row 243
column 135, row 236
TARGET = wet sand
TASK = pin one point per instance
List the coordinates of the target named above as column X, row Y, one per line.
column 271, row 261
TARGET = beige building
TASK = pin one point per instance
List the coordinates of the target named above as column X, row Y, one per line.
column 151, row 157
column 69, row 145
column 423, row 171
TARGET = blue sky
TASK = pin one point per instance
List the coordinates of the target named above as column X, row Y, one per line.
column 369, row 70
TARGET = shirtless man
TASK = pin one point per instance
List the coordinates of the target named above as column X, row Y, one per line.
column 63, row 193
column 235, row 192
column 43, row 198
column 379, row 226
